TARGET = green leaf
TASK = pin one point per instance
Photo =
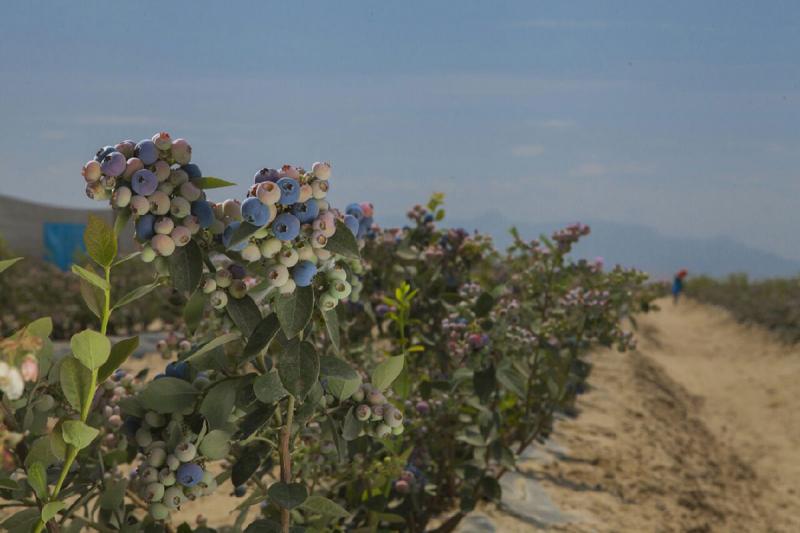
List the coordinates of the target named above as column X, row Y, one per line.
column 287, row 495
column 218, row 403
column 51, row 509
column 245, row 314
column 210, row 182
column 242, row 233
column 91, row 277
column 484, row 304
column 8, row 483
column 168, row 395
column 298, row 367
column 120, row 221
column 90, row 348
column 41, row 327
column 331, row 319
column 119, row 354
column 352, row 427
column 262, row 335
column 213, row 344
column 343, row 242
column 268, row 388
column 23, row 521
column 78, row 434
column 386, row 372
column 294, row 310
column 101, row 243
column 113, row 493
column 324, row 506
column 248, row 462
column 216, row 444
column 512, row 379
column 186, row 267
column 193, row 310
column 37, row 479
column 8, row 263
column 93, row 297
column 136, row 293
column 341, row 380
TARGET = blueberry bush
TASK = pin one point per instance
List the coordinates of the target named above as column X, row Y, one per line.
column 341, row 376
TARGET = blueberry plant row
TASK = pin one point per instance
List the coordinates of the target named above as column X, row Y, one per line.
column 341, row 376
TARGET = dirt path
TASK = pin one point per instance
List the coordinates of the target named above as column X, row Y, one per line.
column 698, row 430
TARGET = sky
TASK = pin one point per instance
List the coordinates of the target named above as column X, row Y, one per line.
column 681, row 116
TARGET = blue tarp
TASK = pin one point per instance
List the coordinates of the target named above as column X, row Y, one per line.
column 62, row 241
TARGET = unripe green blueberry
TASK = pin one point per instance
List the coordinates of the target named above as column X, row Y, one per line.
column 44, row 403
column 232, row 209
column 398, row 430
column 190, row 191
column 270, row 247
column 192, row 223
column 122, row 196
column 337, row 273
column 305, row 252
column 156, row 457
column 208, row 483
column 288, row 288
column 319, row 189
column 277, row 275
column 154, row 420
column 318, row 240
column 321, row 170
column 261, row 233
column 363, row 412
column 148, row 254
column 167, row 476
column 327, row 302
column 148, row 474
column 154, row 492
column 96, row 191
column 376, row 397
column 181, row 236
column 166, row 187
column 223, row 277
column 377, row 412
column 288, row 257
column 173, row 462
column 180, row 207
column 143, row 437
column 218, row 299
column 164, row 225
column 185, row 452
column 392, row 416
column 192, row 493
column 358, row 395
column 140, row 205
column 251, row 253
column 238, row 289
column 173, row 497
column 158, row 511
column 340, row 289
column 178, row 177
column 163, row 245
column 209, row 286
column 323, row 254
column 382, row 430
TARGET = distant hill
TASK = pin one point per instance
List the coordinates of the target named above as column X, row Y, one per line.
column 643, row 247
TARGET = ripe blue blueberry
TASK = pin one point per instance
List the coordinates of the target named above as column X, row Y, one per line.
column 227, row 237
column 286, row 226
column 145, row 227
column 355, row 210
column 144, row 182
column 204, row 213
column 189, row 474
column 290, row 191
column 146, row 151
column 363, row 227
column 352, row 224
column 193, row 171
column 303, row 273
column 306, row 212
column 113, row 164
column 266, row 174
column 178, row 369
column 254, row 212
column 103, row 152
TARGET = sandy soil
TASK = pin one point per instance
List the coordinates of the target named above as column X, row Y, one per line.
column 698, row 430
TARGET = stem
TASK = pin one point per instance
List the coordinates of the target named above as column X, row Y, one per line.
column 72, row 452
column 286, row 460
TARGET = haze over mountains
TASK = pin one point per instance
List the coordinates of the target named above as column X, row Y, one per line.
column 642, row 247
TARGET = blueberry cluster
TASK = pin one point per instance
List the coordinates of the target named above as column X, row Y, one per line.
column 286, row 208
column 107, row 401
column 172, row 470
column 380, row 417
